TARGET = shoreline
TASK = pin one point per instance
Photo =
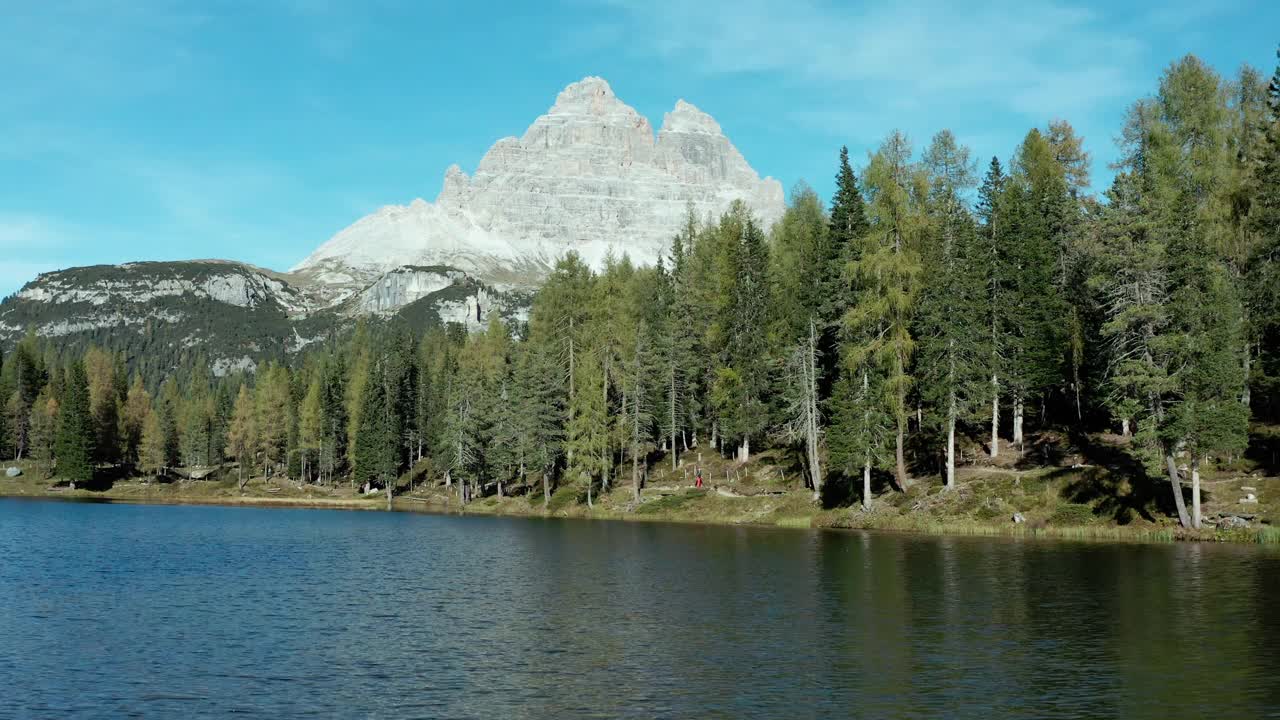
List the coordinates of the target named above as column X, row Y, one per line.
column 792, row 511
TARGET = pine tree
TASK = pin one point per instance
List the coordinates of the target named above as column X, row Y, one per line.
column 242, row 434
column 74, row 444
column 743, row 383
column 274, row 415
column 690, row 366
column 1175, row 317
column 588, row 440
column 167, row 408
column 44, row 427
column 151, row 447
column 886, row 273
column 847, row 224
column 311, row 425
column 1033, row 335
column 25, row 374
column 195, row 418
column 951, row 353
column 862, row 424
column 375, row 452
column 133, row 419
column 539, row 414
column 988, row 267
column 1263, row 274
column 104, row 404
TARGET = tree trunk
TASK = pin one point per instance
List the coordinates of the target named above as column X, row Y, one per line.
column 995, row 415
column 1124, row 427
column 1017, row 421
column 744, row 452
column 635, row 447
column 900, row 457
column 1183, row 519
column 866, row 485
column 1246, row 396
column 1195, row 491
column 951, row 442
column 546, row 490
column 811, row 411
column 672, row 403
column 590, row 482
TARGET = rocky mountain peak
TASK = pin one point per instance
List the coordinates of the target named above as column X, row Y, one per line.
column 687, row 118
column 590, row 93
column 588, row 176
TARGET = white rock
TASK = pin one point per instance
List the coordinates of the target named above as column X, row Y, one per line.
column 588, row 176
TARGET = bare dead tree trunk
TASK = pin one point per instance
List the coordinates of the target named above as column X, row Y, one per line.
column 995, row 415
column 1017, row 421
column 951, row 441
column 1175, row 484
column 546, row 490
column 1246, row 396
column 900, row 457
column 812, row 438
column 1195, row 490
column 671, row 397
column 635, row 445
column 867, row 484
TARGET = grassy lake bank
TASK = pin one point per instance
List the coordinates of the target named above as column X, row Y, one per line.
column 1072, row 503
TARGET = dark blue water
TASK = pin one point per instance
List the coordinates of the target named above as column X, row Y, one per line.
column 119, row 610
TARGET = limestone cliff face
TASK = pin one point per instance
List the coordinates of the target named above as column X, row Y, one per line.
column 588, row 176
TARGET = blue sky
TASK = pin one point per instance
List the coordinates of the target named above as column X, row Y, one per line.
column 138, row 130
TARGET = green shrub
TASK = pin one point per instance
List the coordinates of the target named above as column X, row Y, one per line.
column 1072, row 514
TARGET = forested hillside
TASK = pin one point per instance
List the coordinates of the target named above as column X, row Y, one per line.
column 934, row 303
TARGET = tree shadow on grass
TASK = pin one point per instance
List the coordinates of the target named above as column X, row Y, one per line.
column 1264, row 450
column 1116, row 483
column 842, row 490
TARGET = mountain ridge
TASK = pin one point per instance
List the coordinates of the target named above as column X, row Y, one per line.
column 590, row 176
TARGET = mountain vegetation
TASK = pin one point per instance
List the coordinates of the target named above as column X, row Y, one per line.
column 923, row 316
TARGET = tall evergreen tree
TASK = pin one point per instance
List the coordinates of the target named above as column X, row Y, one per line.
column 242, row 434
column 886, row 273
column 988, row 267
column 588, row 440
column 375, row 451
column 74, row 444
column 133, row 419
column 742, row 382
column 952, row 353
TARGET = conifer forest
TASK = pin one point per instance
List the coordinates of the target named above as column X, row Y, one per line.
column 940, row 310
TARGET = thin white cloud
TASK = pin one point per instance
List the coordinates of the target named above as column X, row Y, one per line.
column 1028, row 57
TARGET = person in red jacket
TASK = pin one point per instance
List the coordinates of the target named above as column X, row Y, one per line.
column 698, row 482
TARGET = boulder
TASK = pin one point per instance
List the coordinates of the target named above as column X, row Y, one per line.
column 1018, row 518
column 1233, row 521
column 13, row 472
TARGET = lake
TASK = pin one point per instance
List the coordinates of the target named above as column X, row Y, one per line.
column 108, row 610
